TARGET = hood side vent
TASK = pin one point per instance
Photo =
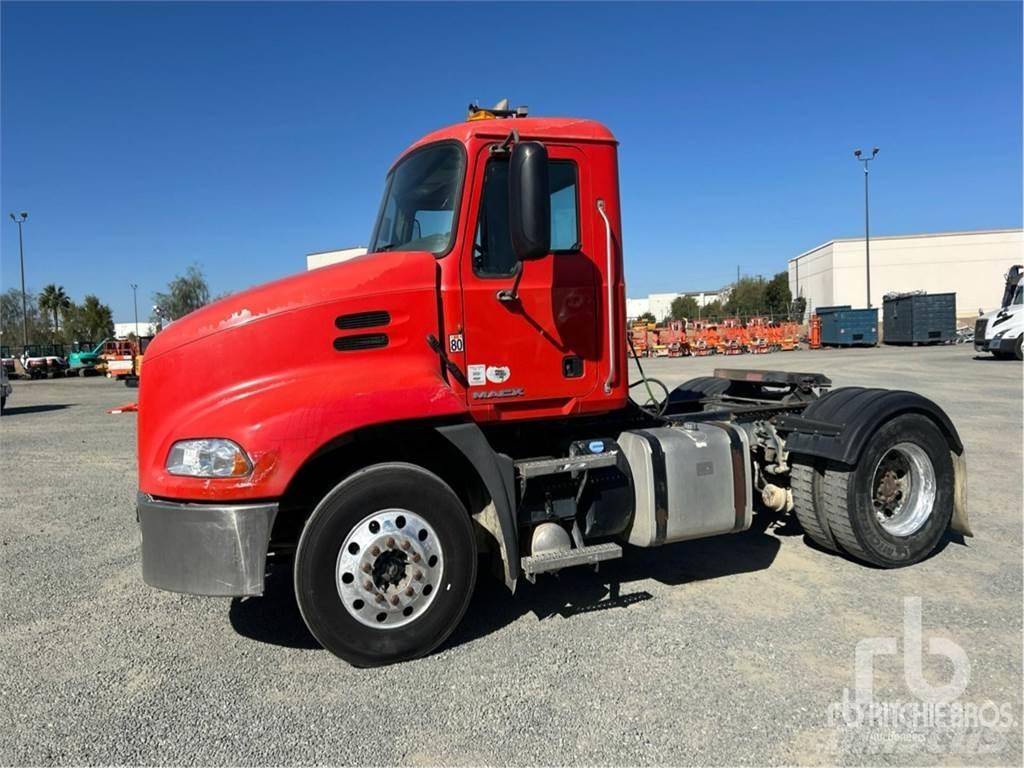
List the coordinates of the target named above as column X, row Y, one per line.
column 371, row 319
column 361, row 341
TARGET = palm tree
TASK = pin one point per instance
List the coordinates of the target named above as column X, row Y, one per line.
column 97, row 318
column 53, row 299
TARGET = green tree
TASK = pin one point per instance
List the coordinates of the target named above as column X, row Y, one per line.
column 53, row 301
column 185, row 293
column 712, row 310
column 647, row 317
column 746, row 297
column 777, row 297
column 95, row 318
column 799, row 307
column 684, row 308
column 11, row 328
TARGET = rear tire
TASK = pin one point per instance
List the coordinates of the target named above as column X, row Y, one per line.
column 395, row 521
column 1017, row 352
column 805, row 481
column 894, row 506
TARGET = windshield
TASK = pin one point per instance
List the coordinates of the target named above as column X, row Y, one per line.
column 418, row 212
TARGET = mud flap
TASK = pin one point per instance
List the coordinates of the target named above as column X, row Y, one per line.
column 960, row 523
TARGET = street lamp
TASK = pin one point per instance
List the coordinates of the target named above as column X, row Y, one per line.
column 135, row 302
column 19, row 220
column 867, row 230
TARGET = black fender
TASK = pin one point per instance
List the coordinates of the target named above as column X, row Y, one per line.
column 497, row 473
column 837, row 426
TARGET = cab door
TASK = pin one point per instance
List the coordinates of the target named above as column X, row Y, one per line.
column 539, row 350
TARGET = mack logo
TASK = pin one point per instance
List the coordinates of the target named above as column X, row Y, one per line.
column 490, row 395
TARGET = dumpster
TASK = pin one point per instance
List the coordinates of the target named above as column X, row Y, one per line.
column 919, row 318
column 843, row 326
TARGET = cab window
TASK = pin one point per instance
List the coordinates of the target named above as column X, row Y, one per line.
column 492, row 246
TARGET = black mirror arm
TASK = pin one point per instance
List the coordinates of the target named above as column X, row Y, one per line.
column 511, row 295
column 506, row 146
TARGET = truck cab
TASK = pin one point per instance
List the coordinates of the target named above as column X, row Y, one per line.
column 459, row 396
column 1001, row 331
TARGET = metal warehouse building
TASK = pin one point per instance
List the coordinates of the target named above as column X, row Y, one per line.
column 972, row 264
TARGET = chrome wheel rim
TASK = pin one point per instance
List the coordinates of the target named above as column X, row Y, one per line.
column 903, row 489
column 389, row 569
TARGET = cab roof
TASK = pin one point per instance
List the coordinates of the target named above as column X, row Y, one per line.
column 540, row 128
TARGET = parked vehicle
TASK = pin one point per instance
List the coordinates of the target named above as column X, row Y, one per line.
column 5, row 388
column 86, row 358
column 39, row 361
column 8, row 362
column 460, row 395
column 118, row 357
column 1001, row 331
column 132, row 379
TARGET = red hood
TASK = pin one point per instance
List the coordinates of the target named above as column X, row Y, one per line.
column 367, row 275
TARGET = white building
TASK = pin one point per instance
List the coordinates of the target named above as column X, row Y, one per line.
column 319, row 259
column 660, row 304
column 971, row 264
column 122, row 330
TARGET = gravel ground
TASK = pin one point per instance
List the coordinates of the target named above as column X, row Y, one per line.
column 723, row 651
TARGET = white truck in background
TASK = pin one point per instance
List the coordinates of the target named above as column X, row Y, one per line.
column 1001, row 331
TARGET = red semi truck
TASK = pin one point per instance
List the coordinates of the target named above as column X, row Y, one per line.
column 459, row 395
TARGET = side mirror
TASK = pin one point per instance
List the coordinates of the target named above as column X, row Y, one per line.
column 529, row 201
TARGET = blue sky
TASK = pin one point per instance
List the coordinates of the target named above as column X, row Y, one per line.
column 145, row 137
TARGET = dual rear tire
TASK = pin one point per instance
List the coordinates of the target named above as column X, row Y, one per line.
column 893, row 507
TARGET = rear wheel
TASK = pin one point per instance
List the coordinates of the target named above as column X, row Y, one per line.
column 805, row 481
column 893, row 508
column 1017, row 352
column 386, row 565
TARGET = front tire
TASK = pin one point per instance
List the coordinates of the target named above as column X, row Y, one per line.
column 894, row 506
column 386, row 565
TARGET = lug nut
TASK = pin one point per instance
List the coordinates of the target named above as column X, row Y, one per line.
column 391, row 542
column 374, row 550
column 366, row 568
column 368, row 585
column 380, row 598
column 406, row 545
column 409, row 592
column 415, row 557
column 394, row 599
column 418, row 575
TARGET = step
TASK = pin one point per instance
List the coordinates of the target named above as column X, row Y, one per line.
column 539, row 467
column 554, row 561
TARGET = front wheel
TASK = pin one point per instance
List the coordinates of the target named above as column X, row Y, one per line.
column 894, row 506
column 386, row 565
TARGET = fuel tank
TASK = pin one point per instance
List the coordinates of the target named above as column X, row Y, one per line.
column 689, row 481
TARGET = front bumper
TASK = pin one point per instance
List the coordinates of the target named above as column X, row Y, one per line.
column 205, row 549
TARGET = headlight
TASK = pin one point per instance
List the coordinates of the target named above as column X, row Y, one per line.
column 212, row 457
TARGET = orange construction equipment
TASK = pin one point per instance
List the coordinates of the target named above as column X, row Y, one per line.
column 119, row 357
column 638, row 335
column 814, row 342
column 790, row 333
column 704, row 339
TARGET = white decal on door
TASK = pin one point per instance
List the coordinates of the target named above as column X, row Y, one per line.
column 498, row 374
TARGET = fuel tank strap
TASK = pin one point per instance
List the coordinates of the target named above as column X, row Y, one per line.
column 660, row 485
column 739, row 478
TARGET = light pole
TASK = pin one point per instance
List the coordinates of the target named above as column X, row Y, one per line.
column 20, row 252
column 135, row 302
column 867, row 229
